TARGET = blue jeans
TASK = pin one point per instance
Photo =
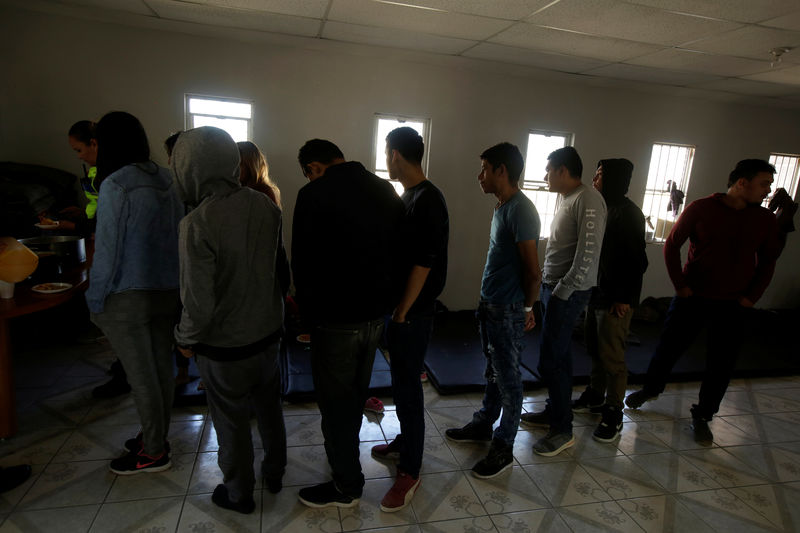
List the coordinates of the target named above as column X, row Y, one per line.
column 341, row 365
column 685, row 318
column 501, row 327
column 555, row 359
column 407, row 345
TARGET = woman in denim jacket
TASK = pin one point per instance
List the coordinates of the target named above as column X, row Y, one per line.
column 133, row 283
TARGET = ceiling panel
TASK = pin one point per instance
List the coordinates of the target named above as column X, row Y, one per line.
column 505, row 9
column 651, row 75
column 533, row 58
column 566, row 42
column 612, row 18
column 354, row 33
column 750, row 41
column 679, row 59
column 368, row 13
column 788, row 76
column 736, row 10
column 758, row 88
column 304, row 8
column 234, row 18
column 788, row 22
column 131, row 6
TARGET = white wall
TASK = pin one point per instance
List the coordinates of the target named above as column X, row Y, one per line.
column 57, row 70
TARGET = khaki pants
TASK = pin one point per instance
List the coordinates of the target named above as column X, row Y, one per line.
column 606, row 336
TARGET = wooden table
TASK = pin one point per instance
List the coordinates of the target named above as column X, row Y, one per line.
column 25, row 302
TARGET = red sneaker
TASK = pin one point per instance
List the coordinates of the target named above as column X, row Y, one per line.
column 423, row 377
column 374, row 405
column 401, row 493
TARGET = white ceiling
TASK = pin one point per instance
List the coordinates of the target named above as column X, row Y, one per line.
column 714, row 46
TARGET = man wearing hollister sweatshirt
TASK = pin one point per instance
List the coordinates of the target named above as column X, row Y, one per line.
column 571, row 262
column 233, row 272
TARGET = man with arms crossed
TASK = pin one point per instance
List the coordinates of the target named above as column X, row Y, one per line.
column 733, row 246
column 344, row 237
column 509, row 286
column 424, row 264
column 570, row 271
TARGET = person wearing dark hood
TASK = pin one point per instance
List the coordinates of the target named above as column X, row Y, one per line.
column 233, row 275
column 623, row 261
column 733, row 246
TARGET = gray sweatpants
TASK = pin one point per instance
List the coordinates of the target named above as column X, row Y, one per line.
column 138, row 324
column 233, row 390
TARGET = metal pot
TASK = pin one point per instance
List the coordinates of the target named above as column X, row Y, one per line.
column 69, row 251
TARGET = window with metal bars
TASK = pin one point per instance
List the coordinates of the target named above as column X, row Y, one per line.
column 540, row 144
column 665, row 192
column 386, row 123
column 787, row 168
column 232, row 115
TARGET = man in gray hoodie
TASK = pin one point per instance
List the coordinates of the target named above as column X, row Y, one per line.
column 571, row 262
column 233, row 271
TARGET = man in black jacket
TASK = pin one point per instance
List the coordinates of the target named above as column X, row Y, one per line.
column 344, row 237
column 619, row 283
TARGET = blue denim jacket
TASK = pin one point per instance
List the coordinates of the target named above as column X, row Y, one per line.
column 136, row 240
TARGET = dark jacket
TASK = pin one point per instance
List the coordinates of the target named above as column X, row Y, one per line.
column 344, row 236
column 623, row 260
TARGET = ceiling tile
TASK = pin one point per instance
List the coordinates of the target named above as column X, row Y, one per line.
column 235, row 18
column 355, row 33
column 306, row 8
column 788, row 76
column 679, row 59
column 533, row 58
column 507, row 9
column 736, row 10
column 788, row 22
column 130, row 6
column 612, row 18
column 740, row 86
column 651, row 75
column 371, row 13
column 750, row 41
column 566, row 42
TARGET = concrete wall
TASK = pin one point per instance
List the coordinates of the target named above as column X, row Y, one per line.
column 59, row 69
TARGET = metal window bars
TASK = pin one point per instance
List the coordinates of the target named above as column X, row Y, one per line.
column 669, row 164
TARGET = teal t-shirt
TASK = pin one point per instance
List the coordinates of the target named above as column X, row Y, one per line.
column 515, row 221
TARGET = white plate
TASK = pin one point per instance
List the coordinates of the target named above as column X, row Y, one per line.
column 51, row 288
column 46, row 226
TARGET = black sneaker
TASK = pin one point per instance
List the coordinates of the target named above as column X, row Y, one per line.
column 12, row 477
column 539, row 420
column 135, row 444
column 139, row 462
column 116, row 387
column 636, row 399
column 702, row 433
column 387, row 452
column 499, row 458
column 610, row 426
column 470, row 433
column 274, row 483
column 326, row 495
column 220, row 497
column 589, row 402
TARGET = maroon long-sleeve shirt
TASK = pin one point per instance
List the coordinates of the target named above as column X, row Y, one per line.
column 732, row 252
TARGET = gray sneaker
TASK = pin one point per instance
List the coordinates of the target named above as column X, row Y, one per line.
column 553, row 443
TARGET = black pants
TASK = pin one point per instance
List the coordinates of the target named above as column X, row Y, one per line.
column 341, row 363
column 407, row 345
column 685, row 318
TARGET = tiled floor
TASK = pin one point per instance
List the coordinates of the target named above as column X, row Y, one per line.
column 655, row 478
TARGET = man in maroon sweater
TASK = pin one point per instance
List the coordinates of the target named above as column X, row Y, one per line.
column 732, row 252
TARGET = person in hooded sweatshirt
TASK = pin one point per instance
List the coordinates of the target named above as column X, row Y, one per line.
column 233, row 274
column 133, row 283
column 623, row 261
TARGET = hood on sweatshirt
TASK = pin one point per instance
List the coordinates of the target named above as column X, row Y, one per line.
column 616, row 179
column 205, row 162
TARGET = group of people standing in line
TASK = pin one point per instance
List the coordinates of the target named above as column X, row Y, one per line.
column 361, row 254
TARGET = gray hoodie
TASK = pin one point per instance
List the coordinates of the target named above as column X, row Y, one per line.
column 229, row 248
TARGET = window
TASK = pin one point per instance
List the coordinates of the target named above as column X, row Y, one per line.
column 540, row 145
column 386, row 123
column 233, row 116
column 788, row 169
column 667, row 181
